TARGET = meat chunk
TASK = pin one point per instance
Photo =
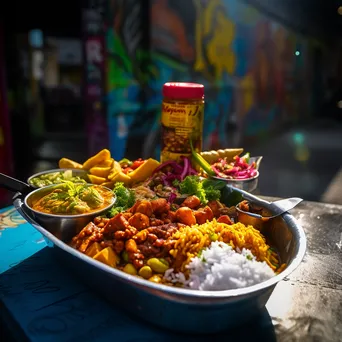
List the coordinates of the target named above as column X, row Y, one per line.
column 143, row 207
column 202, row 215
column 224, row 219
column 186, row 216
column 171, row 216
column 118, row 222
column 88, row 234
column 139, row 221
column 191, row 202
column 215, row 206
column 160, row 206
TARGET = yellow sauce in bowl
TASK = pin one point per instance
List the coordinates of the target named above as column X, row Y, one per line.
column 73, row 199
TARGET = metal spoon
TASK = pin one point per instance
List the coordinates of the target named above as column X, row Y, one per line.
column 277, row 207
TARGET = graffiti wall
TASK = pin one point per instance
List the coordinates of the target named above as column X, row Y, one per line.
column 129, row 73
column 94, row 91
column 6, row 161
column 255, row 70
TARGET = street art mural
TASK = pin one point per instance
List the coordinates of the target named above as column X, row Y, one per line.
column 10, row 218
column 94, row 92
column 254, row 70
column 6, row 161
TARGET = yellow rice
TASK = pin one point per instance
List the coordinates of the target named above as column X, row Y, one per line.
column 189, row 241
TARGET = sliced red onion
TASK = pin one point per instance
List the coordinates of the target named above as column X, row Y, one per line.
column 216, row 170
column 241, row 173
column 175, row 166
column 185, row 168
column 172, row 197
column 232, row 170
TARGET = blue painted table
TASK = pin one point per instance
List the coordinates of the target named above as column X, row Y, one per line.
column 40, row 300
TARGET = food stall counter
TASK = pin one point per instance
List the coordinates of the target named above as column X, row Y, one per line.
column 41, row 300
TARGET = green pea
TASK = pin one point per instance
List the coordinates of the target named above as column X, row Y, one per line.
column 130, row 269
column 145, row 272
column 158, row 265
column 125, row 256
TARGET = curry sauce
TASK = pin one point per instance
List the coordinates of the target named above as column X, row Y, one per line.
column 74, row 199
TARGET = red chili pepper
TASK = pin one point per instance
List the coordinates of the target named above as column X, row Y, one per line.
column 137, row 163
column 127, row 170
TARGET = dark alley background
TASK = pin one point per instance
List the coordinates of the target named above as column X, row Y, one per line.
column 78, row 76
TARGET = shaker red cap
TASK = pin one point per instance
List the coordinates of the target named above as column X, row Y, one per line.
column 183, row 90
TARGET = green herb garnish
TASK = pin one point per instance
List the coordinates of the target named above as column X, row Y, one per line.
column 205, row 190
column 125, row 199
column 71, row 198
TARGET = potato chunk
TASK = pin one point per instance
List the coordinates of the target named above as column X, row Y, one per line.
column 107, row 256
column 93, row 249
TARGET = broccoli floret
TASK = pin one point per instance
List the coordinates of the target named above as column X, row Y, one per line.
column 212, row 194
column 212, row 188
column 206, row 190
column 192, row 185
column 114, row 211
column 125, row 199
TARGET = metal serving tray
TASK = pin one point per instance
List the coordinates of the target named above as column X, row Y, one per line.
column 174, row 308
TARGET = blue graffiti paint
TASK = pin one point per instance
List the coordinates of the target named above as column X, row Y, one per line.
column 140, row 103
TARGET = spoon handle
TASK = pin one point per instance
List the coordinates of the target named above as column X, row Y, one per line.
column 14, row 185
column 252, row 198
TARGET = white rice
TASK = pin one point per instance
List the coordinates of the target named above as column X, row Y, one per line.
column 220, row 267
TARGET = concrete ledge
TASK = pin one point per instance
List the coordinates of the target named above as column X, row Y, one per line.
column 333, row 194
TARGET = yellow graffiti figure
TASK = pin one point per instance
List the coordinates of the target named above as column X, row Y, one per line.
column 213, row 25
column 247, row 89
column 10, row 219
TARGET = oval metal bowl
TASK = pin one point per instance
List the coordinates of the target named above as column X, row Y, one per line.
column 249, row 184
column 61, row 226
column 175, row 308
column 75, row 172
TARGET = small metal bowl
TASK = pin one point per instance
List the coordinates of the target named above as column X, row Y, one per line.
column 256, row 222
column 75, row 172
column 248, row 185
column 63, row 227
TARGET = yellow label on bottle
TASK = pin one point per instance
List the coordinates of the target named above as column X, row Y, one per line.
column 180, row 123
column 183, row 116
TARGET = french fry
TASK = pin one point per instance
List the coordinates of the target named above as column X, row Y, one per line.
column 114, row 170
column 144, row 170
column 104, row 170
column 96, row 180
column 106, row 163
column 97, row 159
column 66, row 163
column 119, row 176
column 100, row 171
column 213, row 156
